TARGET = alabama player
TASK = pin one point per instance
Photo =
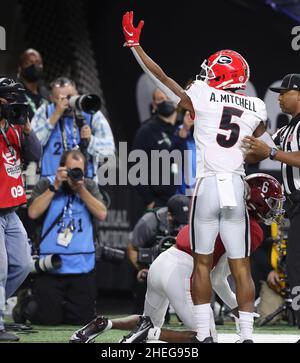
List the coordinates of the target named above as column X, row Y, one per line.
column 170, row 273
column 222, row 118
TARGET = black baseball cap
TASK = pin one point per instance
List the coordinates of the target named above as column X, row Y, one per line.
column 289, row 82
column 178, row 206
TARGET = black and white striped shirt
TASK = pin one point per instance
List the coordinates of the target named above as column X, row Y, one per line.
column 288, row 139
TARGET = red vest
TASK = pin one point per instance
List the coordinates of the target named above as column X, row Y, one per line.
column 12, row 192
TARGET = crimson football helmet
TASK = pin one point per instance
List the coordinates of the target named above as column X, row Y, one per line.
column 265, row 198
column 225, row 69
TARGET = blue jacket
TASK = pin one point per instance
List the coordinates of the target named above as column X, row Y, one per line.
column 79, row 256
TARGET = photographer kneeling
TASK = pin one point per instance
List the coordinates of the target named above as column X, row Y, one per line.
column 68, row 203
column 155, row 225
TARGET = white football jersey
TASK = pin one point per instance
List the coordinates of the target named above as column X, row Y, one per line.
column 222, row 120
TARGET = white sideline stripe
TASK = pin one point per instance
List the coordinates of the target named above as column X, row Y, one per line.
column 258, row 338
column 261, row 338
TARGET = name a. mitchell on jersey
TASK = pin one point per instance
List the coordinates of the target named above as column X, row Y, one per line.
column 231, row 98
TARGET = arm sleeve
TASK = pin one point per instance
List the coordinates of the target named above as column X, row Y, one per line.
column 93, row 188
column 102, row 141
column 257, row 234
column 169, row 93
column 41, row 125
column 39, row 189
column 31, row 147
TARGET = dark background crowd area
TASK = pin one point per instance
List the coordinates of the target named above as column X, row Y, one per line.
column 83, row 40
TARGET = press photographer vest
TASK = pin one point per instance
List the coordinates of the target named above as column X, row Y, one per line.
column 79, row 256
column 55, row 147
column 12, row 192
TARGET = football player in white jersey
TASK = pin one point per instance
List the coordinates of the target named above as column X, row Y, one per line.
column 222, row 118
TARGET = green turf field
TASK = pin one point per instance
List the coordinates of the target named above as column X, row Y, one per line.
column 61, row 334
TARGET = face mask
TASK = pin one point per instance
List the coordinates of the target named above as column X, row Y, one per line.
column 32, row 73
column 166, row 108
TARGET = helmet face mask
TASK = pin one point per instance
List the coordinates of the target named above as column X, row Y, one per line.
column 206, row 72
column 225, row 69
column 265, row 198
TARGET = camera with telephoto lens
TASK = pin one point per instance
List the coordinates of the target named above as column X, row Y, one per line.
column 87, row 103
column 109, row 254
column 15, row 113
column 76, row 174
column 45, row 264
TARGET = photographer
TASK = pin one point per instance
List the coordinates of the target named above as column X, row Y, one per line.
column 150, row 229
column 17, row 141
column 68, row 202
column 69, row 123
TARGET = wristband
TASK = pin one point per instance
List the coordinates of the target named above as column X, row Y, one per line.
column 52, row 188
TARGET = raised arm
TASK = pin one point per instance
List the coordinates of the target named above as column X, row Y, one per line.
column 172, row 89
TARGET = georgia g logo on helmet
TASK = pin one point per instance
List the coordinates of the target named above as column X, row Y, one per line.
column 224, row 59
column 225, row 69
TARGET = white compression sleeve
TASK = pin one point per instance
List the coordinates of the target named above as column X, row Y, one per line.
column 220, row 283
column 170, row 94
column 266, row 137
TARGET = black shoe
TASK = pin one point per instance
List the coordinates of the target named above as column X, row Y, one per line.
column 25, row 307
column 248, row 341
column 298, row 341
column 206, row 340
column 88, row 333
column 8, row 337
column 17, row 327
column 140, row 333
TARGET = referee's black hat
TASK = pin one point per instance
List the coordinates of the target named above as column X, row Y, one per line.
column 289, row 82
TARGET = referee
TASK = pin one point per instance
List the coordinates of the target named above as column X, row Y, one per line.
column 286, row 149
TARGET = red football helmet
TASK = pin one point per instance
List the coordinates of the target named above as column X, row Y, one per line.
column 225, row 69
column 265, row 198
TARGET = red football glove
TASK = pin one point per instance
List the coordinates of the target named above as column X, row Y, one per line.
column 131, row 34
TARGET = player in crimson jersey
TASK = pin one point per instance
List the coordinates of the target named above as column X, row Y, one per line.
column 169, row 276
column 17, row 142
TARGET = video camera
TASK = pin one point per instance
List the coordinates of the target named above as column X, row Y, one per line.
column 147, row 255
column 15, row 113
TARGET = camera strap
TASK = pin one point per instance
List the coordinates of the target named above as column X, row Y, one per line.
column 64, row 134
column 52, row 225
column 31, row 103
column 11, row 149
column 67, row 210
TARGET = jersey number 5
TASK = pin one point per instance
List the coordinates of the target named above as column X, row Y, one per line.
column 229, row 131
